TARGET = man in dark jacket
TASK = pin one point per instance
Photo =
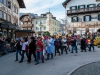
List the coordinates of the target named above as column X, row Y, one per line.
column 32, row 48
column 56, row 42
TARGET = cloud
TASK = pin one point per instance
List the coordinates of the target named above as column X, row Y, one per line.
column 43, row 6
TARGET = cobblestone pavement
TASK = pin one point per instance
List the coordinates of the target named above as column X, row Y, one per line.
column 60, row 65
column 89, row 69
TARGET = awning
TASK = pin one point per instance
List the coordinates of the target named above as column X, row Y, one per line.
column 8, row 25
column 11, row 26
column 4, row 25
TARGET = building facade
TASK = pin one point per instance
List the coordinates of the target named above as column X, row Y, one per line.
column 9, row 16
column 46, row 23
column 27, row 21
column 82, row 16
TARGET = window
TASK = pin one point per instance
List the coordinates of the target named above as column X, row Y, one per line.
column 98, row 5
column 81, row 6
column 9, row 18
column 0, row 14
column 75, row 19
column 87, row 18
column 73, row 7
column 44, row 28
column 9, row 4
column 36, row 22
column 37, row 28
column 5, row 16
column 5, row 2
column 91, row 5
column 40, row 28
column 0, row 1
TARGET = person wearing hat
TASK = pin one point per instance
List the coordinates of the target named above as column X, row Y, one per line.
column 39, row 50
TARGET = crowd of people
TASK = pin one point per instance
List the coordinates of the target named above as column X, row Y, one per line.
column 44, row 48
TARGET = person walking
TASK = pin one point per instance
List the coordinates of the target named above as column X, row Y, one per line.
column 18, row 48
column 32, row 48
column 24, row 47
column 39, row 50
column 64, row 45
column 91, row 44
column 73, row 44
column 83, row 44
column 50, row 48
column 56, row 46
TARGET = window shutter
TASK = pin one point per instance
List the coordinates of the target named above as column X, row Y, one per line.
column 84, row 18
column 75, row 7
column 70, row 8
column 87, row 6
column 77, row 19
column 72, row 19
column 89, row 18
column 78, row 7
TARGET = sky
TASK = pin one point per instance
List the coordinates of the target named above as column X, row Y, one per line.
column 43, row 6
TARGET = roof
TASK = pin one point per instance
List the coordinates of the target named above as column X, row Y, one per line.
column 28, row 14
column 65, row 3
column 21, row 3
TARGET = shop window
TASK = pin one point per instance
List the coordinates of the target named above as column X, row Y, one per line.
column 9, row 4
column 5, row 2
column 87, row 18
column 0, row 14
column 5, row 16
column 75, row 19
column 0, row 1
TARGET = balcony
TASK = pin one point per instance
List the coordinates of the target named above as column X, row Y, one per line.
column 84, row 11
column 27, row 26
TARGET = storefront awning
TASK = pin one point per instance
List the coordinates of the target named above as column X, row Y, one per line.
column 7, row 25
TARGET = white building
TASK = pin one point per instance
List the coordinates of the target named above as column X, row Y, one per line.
column 9, row 16
column 82, row 15
column 46, row 22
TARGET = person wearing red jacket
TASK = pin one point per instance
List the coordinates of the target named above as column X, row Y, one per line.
column 39, row 50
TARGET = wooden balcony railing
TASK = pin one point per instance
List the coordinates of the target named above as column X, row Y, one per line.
column 27, row 26
column 83, row 10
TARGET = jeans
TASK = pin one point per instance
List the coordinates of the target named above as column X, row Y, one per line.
column 23, row 55
column 18, row 51
column 41, row 56
column 74, row 48
column 91, row 45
